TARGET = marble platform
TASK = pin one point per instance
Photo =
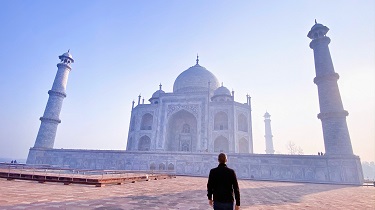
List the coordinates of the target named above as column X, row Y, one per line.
column 294, row 168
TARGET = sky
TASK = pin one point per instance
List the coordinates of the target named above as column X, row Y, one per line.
column 126, row 48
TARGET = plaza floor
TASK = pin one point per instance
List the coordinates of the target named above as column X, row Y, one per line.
column 181, row 193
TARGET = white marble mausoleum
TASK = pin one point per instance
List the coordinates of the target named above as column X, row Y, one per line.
column 183, row 131
column 200, row 115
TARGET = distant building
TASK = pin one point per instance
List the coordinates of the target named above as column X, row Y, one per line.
column 198, row 116
column 268, row 134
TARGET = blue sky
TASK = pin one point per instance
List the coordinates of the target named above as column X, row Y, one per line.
column 126, row 48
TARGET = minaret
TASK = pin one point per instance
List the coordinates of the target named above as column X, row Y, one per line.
column 250, row 124
column 268, row 134
column 332, row 114
column 50, row 120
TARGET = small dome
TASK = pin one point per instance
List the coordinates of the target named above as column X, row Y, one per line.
column 317, row 31
column 66, row 55
column 222, row 91
column 267, row 115
column 157, row 94
column 316, row 26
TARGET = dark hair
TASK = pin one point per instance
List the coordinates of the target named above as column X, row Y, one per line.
column 222, row 158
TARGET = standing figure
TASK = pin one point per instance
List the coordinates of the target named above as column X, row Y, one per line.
column 222, row 184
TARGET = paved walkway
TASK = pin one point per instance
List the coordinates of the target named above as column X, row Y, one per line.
column 181, row 193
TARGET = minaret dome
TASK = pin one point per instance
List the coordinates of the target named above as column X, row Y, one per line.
column 318, row 31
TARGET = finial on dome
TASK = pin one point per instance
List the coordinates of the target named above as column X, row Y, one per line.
column 160, row 86
column 315, row 21
column 68, row 50
column 222, row 84
column 197, row 59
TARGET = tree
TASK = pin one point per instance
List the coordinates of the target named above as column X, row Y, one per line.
column 293, row 149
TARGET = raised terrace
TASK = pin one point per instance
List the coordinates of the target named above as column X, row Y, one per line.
column 68, row 176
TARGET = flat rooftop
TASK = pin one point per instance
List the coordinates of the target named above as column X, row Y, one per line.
column 183, row 193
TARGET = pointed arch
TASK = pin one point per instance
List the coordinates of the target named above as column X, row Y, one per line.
column 170, row 167
column 221, row 144
column 144, row 143
column 146, row 123
column 221, row 121
column 181, row 131
column 186, row 128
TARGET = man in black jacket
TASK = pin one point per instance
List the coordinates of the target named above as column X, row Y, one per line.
column 222, row 183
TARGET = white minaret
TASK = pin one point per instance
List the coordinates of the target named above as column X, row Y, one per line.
column 268, row 134
column 50, row 119
column 332, row 113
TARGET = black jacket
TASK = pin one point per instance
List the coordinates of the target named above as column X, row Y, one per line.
column 222, row 183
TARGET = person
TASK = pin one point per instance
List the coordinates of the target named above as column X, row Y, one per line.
column 222, row 184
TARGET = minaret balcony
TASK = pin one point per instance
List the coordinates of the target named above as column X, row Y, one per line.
column 328, row 77
column 323, row 41
column 64, row 65
column 339, row 114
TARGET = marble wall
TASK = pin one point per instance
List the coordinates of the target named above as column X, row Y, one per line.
column 296, row 168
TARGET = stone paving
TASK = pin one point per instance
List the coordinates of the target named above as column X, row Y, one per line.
column 181, row 193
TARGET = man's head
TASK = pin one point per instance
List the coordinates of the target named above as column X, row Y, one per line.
column 222, row 158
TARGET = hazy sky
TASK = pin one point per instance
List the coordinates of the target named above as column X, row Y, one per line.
column 124, row 48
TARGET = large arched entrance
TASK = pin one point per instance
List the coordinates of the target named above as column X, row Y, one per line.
column 181, row 132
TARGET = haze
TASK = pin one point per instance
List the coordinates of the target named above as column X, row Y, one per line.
column 126, row 48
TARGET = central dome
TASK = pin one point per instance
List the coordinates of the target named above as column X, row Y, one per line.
column 195, row 79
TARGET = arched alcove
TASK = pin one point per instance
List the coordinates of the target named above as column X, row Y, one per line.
column 146, row 123
column 144, row 143
column 186, row 128
column 221, row 144
column 221, row 121
column 170, row 167
column 161, row 166
column 152, row 166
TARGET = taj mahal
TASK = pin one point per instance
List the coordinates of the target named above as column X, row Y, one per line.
column 181, row 132
column 199, row 116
